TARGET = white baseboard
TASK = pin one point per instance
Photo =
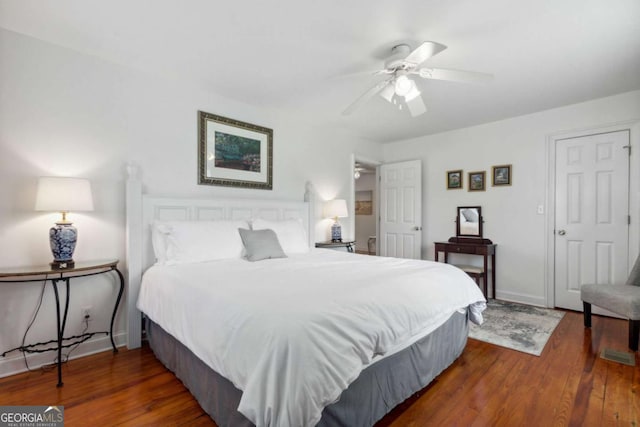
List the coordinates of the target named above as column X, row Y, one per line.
column 521, row 298
column 14, row 364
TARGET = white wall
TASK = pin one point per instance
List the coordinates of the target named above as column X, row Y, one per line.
column 510, row 214
column 366, row 224
column 66, row 113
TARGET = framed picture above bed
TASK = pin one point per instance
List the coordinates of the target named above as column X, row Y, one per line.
column 234, row 153
column 454, row 180
column 501, row 175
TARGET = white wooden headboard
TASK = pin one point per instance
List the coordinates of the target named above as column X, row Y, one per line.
column 143, row 209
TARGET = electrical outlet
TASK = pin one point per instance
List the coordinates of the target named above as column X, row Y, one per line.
column 86, row 313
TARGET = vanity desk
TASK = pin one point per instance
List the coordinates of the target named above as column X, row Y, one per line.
column 469, row 241
column 471, row 246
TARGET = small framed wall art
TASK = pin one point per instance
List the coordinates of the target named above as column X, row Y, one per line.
column 454, row 180
column 364, row 202
column 476, row 181
column 234, row 153
column 501, row 175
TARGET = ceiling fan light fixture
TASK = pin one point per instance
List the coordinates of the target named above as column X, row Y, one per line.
column 403, row 85
column 413, row 93
column 388, row 92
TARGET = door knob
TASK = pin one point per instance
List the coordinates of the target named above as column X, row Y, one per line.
column 417, row 228
column 562, row 232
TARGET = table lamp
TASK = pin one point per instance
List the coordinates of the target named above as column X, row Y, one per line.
column 335, row 209
column 63, row 195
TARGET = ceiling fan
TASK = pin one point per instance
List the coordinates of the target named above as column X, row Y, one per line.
column 360, row 169
column 399, row 87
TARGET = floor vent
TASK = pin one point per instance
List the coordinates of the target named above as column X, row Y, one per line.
column 619, row 356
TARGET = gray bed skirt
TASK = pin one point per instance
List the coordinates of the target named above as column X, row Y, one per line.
column 377, row 390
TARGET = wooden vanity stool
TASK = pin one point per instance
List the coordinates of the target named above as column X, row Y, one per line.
column 477, row 274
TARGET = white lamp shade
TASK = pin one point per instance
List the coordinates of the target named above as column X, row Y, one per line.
column 336, row 208
column 64, row 194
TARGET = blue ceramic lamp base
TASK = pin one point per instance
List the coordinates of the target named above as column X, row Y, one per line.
column 62, row 239
column 336, row 232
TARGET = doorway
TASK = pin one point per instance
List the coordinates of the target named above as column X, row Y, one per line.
column 365, row 184
column 591, row 215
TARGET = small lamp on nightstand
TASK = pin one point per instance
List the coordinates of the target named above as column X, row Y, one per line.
column 335, row 209
column 63, row 195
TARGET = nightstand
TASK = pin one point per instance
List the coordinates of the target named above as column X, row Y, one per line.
column 348, row 244
column 47, row 273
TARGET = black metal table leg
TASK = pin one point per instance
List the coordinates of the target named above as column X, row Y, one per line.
column 66, row 310
column 115, row 309
column 54, row 283
column 61, row 326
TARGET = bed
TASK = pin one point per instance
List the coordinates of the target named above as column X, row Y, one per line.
column 316, row 337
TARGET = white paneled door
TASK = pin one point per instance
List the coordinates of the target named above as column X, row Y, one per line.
column 401, row 209
column 592, row 214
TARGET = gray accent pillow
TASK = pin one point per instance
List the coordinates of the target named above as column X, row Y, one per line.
column 261, row 244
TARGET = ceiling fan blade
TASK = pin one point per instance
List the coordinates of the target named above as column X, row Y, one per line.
column 357, row 74
column 366, row 96
column 423, row 52
column 453, row 75
column 416, row 105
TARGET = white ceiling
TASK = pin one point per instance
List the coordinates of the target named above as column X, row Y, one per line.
column 290, row 54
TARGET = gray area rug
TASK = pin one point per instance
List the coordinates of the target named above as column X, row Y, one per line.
column 520, row 327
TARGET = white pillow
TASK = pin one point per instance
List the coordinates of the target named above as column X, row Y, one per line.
column 159, row 231
column 291, row 234
column 198, row 241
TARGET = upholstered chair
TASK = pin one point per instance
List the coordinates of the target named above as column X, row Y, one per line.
column 620, row 299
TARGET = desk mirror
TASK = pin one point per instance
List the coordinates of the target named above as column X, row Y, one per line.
column 469, row 221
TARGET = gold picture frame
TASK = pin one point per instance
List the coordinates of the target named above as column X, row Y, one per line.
column 233, row 153
column 477, row 181
column 501, row 175
column 455, row 179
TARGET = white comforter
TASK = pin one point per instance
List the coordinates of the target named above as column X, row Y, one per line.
column 293, row 333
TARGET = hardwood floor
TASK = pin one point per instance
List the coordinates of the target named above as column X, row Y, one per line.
column 568, row 385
